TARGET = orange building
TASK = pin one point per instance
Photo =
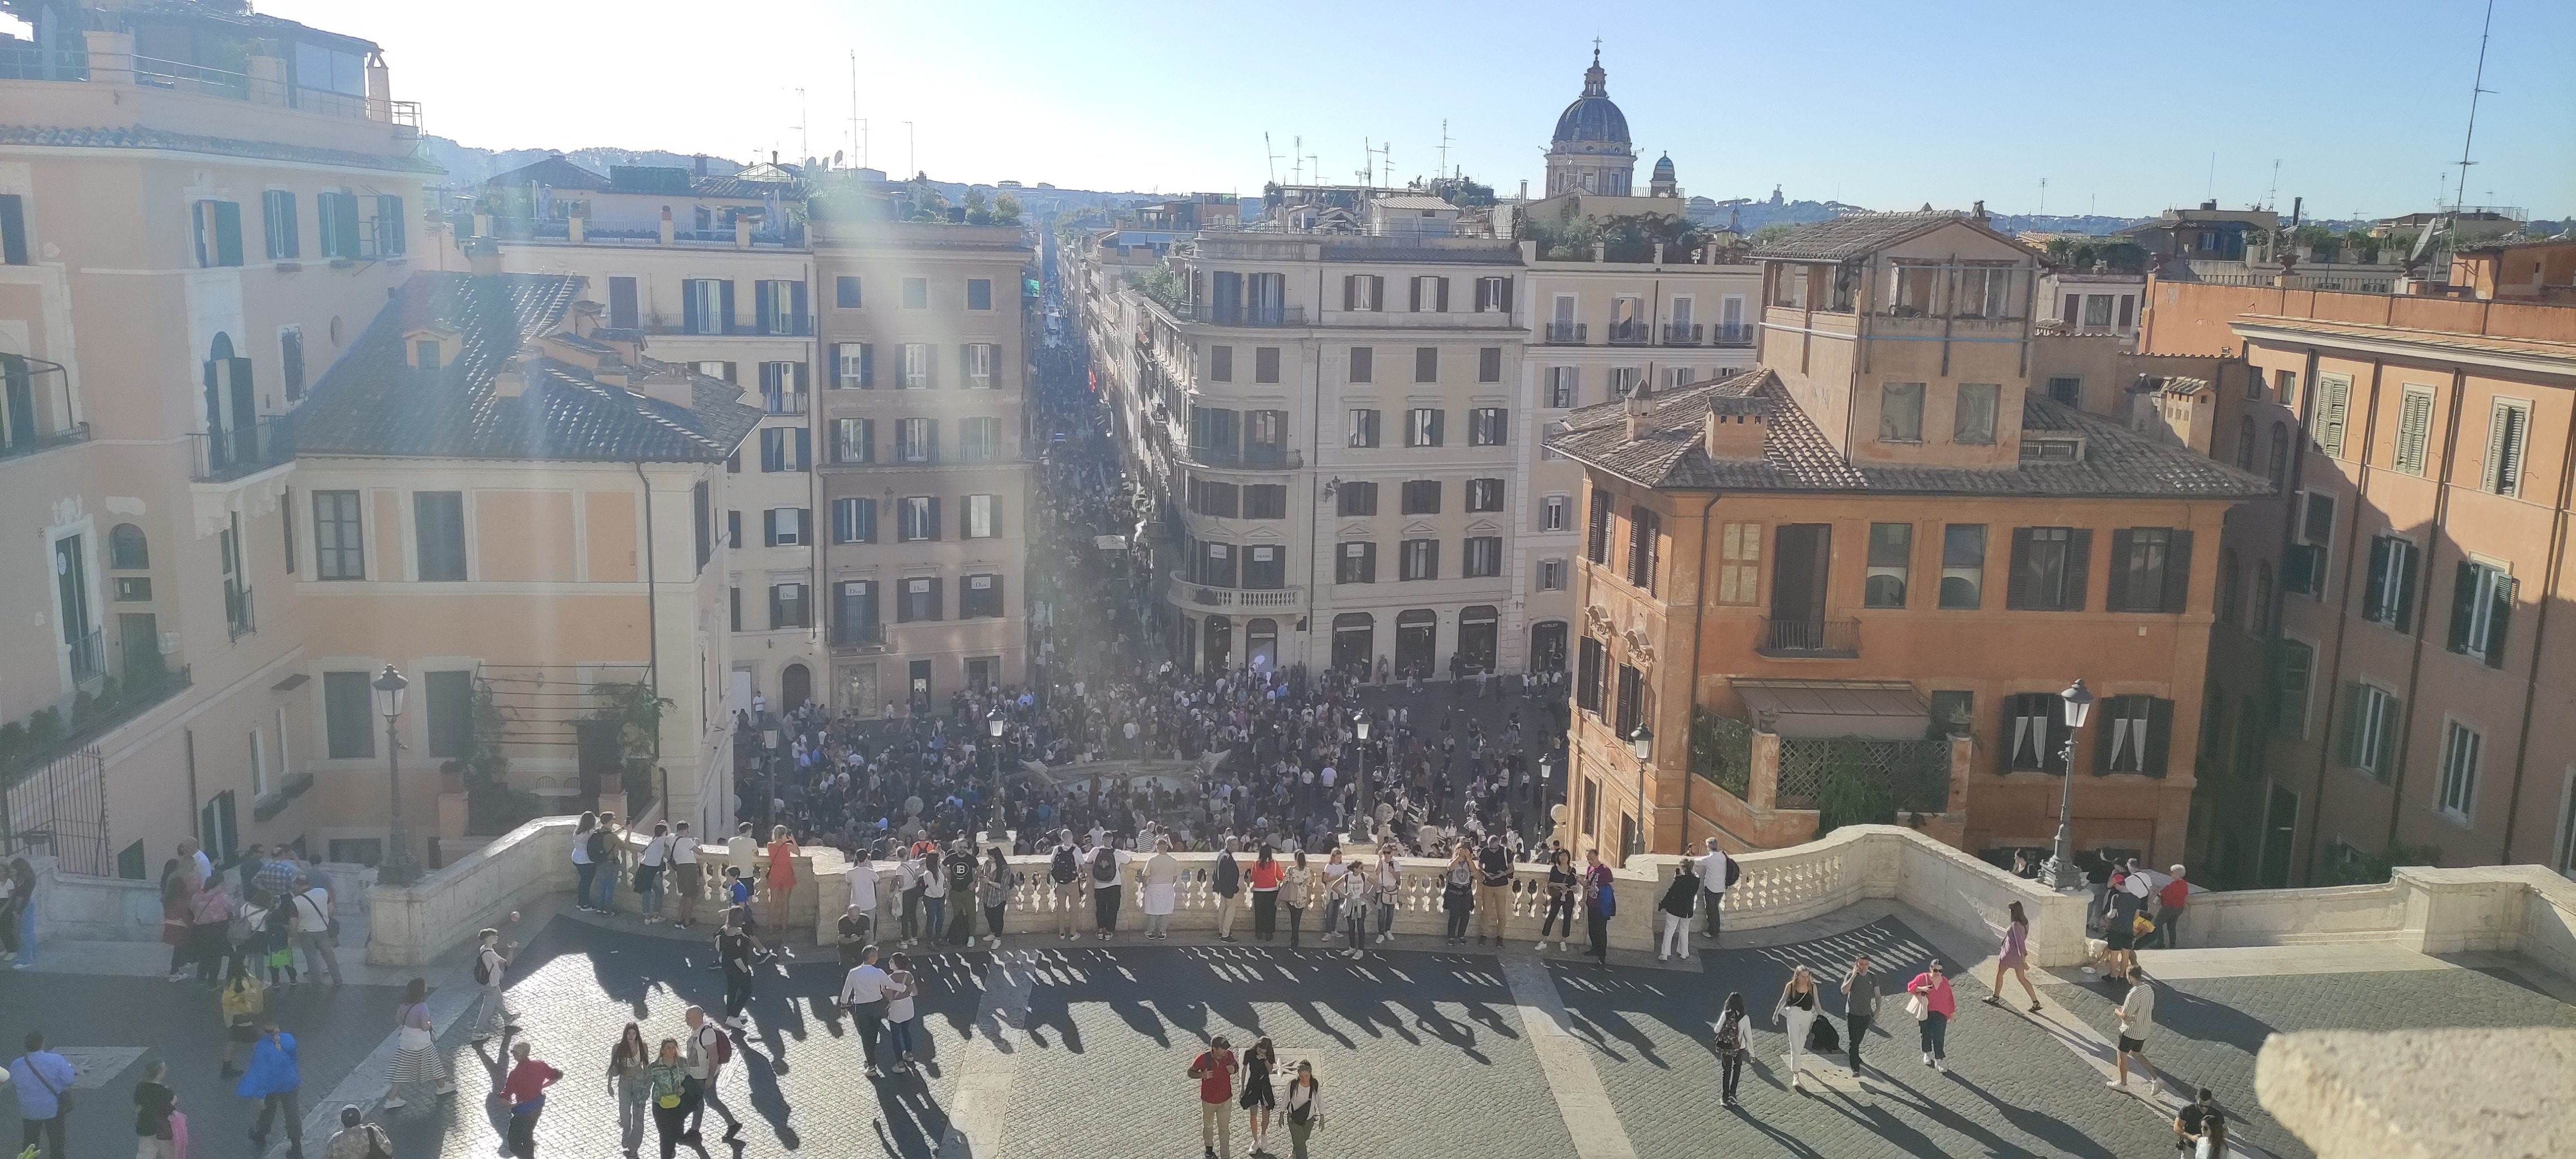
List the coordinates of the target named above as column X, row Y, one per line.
column 1863, row 572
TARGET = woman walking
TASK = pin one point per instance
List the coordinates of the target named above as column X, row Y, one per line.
column 900, row 986
column 1560, row 902
column 1933, row 1006
column 1797, row 1013
column 1730, row 1047
column 416, row 1053
column 1304, row 1110
column 993, row 892
column 1296, row 893
column 913, row 879
column 1258, row 1100
column 1264, row 877
column 18, row 911
column 178, row 887
column 583, row 867
column 626, row 1075
column 2015, row 957
column 1355, row 890
column 666, row 1083
column 243, row 999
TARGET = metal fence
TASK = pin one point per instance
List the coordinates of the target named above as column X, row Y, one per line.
column 59, row 807
column 1914, row 775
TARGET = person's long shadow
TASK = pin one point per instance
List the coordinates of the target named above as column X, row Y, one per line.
column 1788, row 1143
column 2193, row 1016
column 2057, row 1132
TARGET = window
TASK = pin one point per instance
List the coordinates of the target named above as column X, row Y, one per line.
column 1355, row 498
column 277, row 224
column 1484, row 495
column 2050, row 567
column 2334, row 398
column 1422, row 497
column 2261, row 624
column 1363, row 364
column 1983, row 292
column 1363, row 291
column 1215, row 564
column 854, row 441
column 2150, row 570
column 2508, row 427
column 2389, row 594
column 785, row 449
column 733, row 608
column 2033, row 733
column 1355, row 563
column 788, row 607
column 1430, row 293
column 391, row 241
column 1422, row 427
column 1426, row 364
column 1963, row 566
column 983, row 517
column 1265, row 501
column 2303, row 567
column 920, row 600
column 1891, row 546
column 2136, row 735
column 1265, row 567
column 1489, row 364
column 337, row 215
column 854, row 520
column 917, row 518
column 854, row 366
column 290, row 360
column 438, row 519
column 1596, row 542
column 2097, row 310
column 349, row 714
column 2414, row 429
column 1265, row 364
column 980, row 598
column 1216, row 434
column 2067, row 389
column 2459, row 789
column 1739, row 563
column 1488, row 426
column 1220, row 364
column 1974, row 420
column 2294, row 666
column 920, row 366
column 784, row 527
column 1623, row 381
column 916, row 293
column 1483, row 557
column 2481, row 611
column 1265, row 437
column 977, row 359
column 1900, row 412
column 218, row 234
column 702, row 531
column 339, row 542
column 1493, row 295
column 2370, row 723
column 733, row 530
column 981, row 439
column 1589, row 666
column 1551, row 575
column 1552, row 514
column 1418, row 559
column 1645, row 545
column 425, row 354
column 1630, row 711
column 2285, row 387
column 845, row 293
column 720, row 371
column 2565, row 859
column 979, row 293
column 916, row 440
column 451, row 713
column 2245, row 443
column 2229, row 596
column 1564, row 386
column 1363, row 428
column 706, row 306
column 1207, row 497
column 854, row 614
column 13, row 230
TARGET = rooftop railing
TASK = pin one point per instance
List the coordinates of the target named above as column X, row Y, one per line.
column 77, row 65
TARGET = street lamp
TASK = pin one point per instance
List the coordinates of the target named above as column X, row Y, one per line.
column 993, row 725
column 1360, row 724
column 398, row 867
column 2059, row 872
column 1641, row 743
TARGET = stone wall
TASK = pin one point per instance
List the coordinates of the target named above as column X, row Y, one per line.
column 78, row 907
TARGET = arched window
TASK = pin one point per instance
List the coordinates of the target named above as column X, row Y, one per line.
column 126, row 549
column 2262, row 625
column 2245, row 443
column 2227, row 593
column 2276, row 460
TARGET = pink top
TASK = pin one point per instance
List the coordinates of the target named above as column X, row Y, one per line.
column 2016, row 944
column 1936, row 991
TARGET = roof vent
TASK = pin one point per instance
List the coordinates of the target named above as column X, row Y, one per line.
column 1734, row 426
column 1635, row 408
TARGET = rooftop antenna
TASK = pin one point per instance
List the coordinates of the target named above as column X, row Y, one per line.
column 858, row 128
column 2043, row 198
column 911, row 152
column 1444, row 147
column 2476, row 87
column 804, row 144
column 1297, row 160
column 1274, row 157
column 1368, row 163
column 2272, row 196
column 2213, row 175
column 1386, row 153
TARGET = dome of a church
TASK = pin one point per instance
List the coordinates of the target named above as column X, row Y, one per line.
column 1592, row 118
column 1664, row 167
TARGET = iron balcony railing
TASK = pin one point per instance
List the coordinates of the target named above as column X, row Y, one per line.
column 1736, row 334
column 238, row 619
column 1254, row 315
column 199, row 80
column 1631, row 333
column 1683, row 333
column 1824, row 639
column 870, row 634
column 222, row 454
column 789, row 402
column 1565, row 333
column 35, row 406
column 89, row 656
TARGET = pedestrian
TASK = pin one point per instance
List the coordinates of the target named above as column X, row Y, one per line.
column 863, row 995
column 1493, row 891
column 2015, row 956
column 416, row 1058
column 1064, row 869
column 1161, row 876
column 178, row 886
column 1600, row 903
column 862, row 882
column 210, row 919
column 1730, row 1047
column 708, row 1051
column 1458, row 892
column 526, row 1090
column 1678, row 900
column 2137, row 1015
column 1860, row 1009
column 2120, row 934
column 273, row 1077
column 1716, row 872
column 914, row 883
column 1225, row 880
column 314, row 930
column 934, row 896
column 357, row 1138
column 585, row 865
column 1296, row 892
column 1385, row 887
column 156, row 1136
column 736, row 952
column 1561, row 898
column 993, row 892
column 1106, row 863
column 1355, row 889
column 649, row 869
column 240, row 1003
column 736, row 910
column 781, row 883
column 2194, row 1122
column 1303, row 1108
column 962, row 870
column 1258, row 1100
column 1933, row 1005
column 2097, row 882
column 689, row 877
column 1214, row 1069
column 901, row 987
column 668, row 1079
column 2170, row 901
column 626, row 1065
column 491, row 970
column 1797, row 1013
column 1265, row 877
column 40, row 1077
column 1330, row 898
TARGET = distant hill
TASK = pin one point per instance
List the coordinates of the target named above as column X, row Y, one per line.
column 1751, row 214
column 469, row 166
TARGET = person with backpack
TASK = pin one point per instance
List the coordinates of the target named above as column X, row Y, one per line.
column 1458, row 892
column 1730, row 1047
column 42, row 1078
column 738, row 954
column 1493, row 891
column 156, row 1136
column 585, row 843
column 1561, row 899
column 1600, row 904
column 273, row 1077
column 1716, row 872
column 1162, row 887
column 1065, row 870
column 1214, row 1068
column 1225, row 880
column 491, row 965
column 1678, row 900
column 359, row 1139
column 1107, row 863
column 708, row 1051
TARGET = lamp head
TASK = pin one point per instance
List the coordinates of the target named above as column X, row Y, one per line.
column 1642, row 743
column 2079, row 703
column 390, row 685
column 993, row 724
column 1360, row 722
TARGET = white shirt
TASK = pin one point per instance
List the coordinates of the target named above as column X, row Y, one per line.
column 493, row 965
column 313, row 909
column 205, row 868
column 657, row 850
column 684, row 849
column 1712, row 871
column 863, row 887
column 1327, row 776
column 581, row 846
column 864, row 984
column 744, row 853
column 701, row 1059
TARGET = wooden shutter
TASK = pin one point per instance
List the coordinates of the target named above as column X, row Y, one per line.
column 796, row 308
column 2123, row 541
column 2504, row 448
column 1438, row 419
column 2499, row 621
column 1377, row 291
column 832, row 367
column 2160, row 714
column 13, row 231
column 2017, row 584
column 1484, row 294
column 2405, row 617
column 804, row 448
column 903, row 601
column 2375, row 594
column 764, row 294
column 1413, row 294
column 1350, row 291
column 689, row 305
column 2079, row 568
column 2464, row 591
column 2177, row 571
column 937, row 610
column 228, row 237
column 1506, row 286
column 1442, row 284
column 769, row 527
column 930, row 525
column 2333, row 397
column 804, row 377
column 724, row 305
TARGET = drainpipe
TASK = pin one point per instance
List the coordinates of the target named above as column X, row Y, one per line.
column 2539, row 635
column 1699, row 609
column 652, row 632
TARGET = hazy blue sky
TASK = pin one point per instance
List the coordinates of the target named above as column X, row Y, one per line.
column 1883, row 103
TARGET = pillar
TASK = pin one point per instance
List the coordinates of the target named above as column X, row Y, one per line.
column 1762, row 787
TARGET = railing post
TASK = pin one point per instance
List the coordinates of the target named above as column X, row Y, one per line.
column 1762, row 785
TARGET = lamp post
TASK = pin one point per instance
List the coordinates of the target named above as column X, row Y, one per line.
column 993, row 725
column 398, row 867
column 1642, row 744
column 1547, row 789
column 2059, row 872
column 1360, row 725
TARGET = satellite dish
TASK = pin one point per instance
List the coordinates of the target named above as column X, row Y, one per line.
column 836, row 157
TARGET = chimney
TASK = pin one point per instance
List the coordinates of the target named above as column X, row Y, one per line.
column 1635, row 408
column 665, row 382
column 1734, row 426
column 702, row 165
column 1979, row 212
column 509, row 381
column 482, row 257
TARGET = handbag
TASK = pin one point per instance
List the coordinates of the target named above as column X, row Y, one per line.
column 62, row 1099
column 1822, row 1037
column 1916, row 1005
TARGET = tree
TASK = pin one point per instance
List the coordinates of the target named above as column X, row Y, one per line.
column 1006, row 210
column 977, row 212
column 1772, row 232
column 1849, row 794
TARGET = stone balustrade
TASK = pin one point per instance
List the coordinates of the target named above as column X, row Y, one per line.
column 79, row 907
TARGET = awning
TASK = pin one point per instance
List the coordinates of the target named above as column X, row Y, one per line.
column 1870, row 709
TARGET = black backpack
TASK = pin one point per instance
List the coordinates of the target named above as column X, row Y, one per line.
column 1063, row 868
column 598, row 850
column 1734, row 869
column 1104, row 865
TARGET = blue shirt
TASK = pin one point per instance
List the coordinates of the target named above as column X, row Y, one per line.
column 34, row 1101
column 273, row 1069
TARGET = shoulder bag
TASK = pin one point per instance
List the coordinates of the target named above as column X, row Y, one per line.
column 62, row 1099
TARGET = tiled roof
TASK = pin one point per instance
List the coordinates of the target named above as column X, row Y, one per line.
column 372, row 402
column 1851, row 235
column 553, row 172
column 1796, row 456
column 748, row 188
column 146, row 137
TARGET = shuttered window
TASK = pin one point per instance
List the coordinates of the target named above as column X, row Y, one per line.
column 2389, row 596
column 2135, row 735
column 1596, row 546
column 2481, row 611
column 2150, row 569
column 2414, row 429
column 2368, row 739
column 1739, row 563
column 2051, row 568
column 2508, row 430
column 1588, row 675
column 2334, row 399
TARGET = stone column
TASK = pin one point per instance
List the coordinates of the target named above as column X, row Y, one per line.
column 1762, row 787
column 268, row 81
column 1962, row 750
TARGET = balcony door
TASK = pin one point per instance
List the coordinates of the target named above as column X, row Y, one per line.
column 232, row 407
column 1798, row 572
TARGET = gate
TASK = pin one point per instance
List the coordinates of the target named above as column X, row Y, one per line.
column 59, row 807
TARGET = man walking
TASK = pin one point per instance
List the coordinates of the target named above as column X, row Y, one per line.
column 2137, row 1017
column 705, row 1059
column 357, row 1138
column 491, row 965
column 1214, row 1068
column 274, row 1076
column 734, row 948
column 1713, row 869
column 1860, row 1008
column 41, row 1077
column 526, row 1090
column 863, row 995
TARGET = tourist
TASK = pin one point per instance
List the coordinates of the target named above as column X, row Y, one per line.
column 178, row 886
column 273, row 1077
column 1299, row 889
column 2194, row 1122
column 648, row 875
column 1933, row 1006
column 1458, row 892
column 1561, row 899
column 155, row 1136
column 781, row 881
column 934, row 897
column 708, row 1049
column 585, row 862
column 1860, row 1008
column 1678, row 900
column 2120, row 935
column 2097, row 882
column 1600, row 903
column 491, row 970
column 901, row 987
column 1355, row 889
column 1797, row 1012
column 526, row 1090
column 862, row 883
column 2137, row 1014
column 210, row 919
column 669, row 1083
column 416, row 1057
column 1493, row 890
column 1065, row 870
column 1162, row 877
column 689, row 877
column 1304, row 1108
column 1333, row 872
column 736, row 952
column 313, row 930
column 1265, row 877
column 863, row 995
column 2170, row 900
column 1214, row 1069
column 914, row 884
column 2015, row 956
column 626, row 1066
column 1714, row 868
column 1258, row 1100
column 1225, row 880
column 359, row 1139
column 18, row 911
column 240, row 1003
column 742, row 852
column 993, row 892
column 1730, row 1047
column 1385, row 888
column 1107, row 862
column 961, row 871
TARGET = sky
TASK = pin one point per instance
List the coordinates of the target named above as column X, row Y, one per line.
column 2120, row 109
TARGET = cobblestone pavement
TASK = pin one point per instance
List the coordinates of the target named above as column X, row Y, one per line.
column 2208, row 1029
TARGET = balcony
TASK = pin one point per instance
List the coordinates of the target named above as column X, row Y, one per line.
column 222, row 455
column 1565, row 334
column 1809, row 639
column 1734, row 335
column 1182, row 591
column 861, row 637
column 35, row 411
column 791, row 402
column 1258, row 457
column 198, row 80
column 1683, row 333
column 89, row 656
column 1254, row 315
column 1631, row 333
column 238, row 620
